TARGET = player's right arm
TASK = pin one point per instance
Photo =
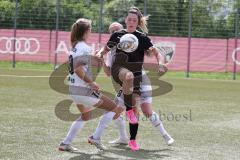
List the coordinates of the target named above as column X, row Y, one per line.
column 102, row 51
column 113, row 41
column 82, row 74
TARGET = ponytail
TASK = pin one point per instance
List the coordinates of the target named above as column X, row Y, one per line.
column 78, row 30
column 73, row 37
column 143, row 24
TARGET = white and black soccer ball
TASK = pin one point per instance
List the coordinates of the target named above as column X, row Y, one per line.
column 128, row 43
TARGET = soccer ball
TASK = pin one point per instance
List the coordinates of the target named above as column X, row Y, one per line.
column 128, row 43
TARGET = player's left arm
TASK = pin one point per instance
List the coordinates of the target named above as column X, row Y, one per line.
column 106, row 70
column 162, row 69
column 149, row 47
column 152, row 50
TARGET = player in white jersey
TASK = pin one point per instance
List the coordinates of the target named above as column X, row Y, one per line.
column 82, row 88
column 145, row 103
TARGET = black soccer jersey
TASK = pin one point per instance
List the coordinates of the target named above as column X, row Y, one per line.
column 133, row 61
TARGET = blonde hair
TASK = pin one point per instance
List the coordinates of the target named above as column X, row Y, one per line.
column 142, row 20
column 115, row 26
column 78, row 30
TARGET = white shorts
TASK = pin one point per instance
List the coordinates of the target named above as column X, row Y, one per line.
column 85, row 96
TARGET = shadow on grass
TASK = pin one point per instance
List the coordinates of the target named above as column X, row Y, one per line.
column 123, row 152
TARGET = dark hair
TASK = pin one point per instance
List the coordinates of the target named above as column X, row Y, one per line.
column 142, row 20
column 78, row 30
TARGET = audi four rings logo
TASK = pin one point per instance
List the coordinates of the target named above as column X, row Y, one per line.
column 22, row 45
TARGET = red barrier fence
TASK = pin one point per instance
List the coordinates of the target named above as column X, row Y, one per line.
column 210, row 55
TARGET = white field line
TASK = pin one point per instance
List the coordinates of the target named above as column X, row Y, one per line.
column 23, row 76
column 104, row 76
column 16, row 69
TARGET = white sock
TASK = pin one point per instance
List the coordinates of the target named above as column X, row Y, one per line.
column 74, row 130
column 156, row 122
column 104, row 121
column 121, row 126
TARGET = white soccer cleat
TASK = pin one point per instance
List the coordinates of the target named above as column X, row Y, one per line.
column 168, row 139
column 97, row 143
column 122, row 141
column 67, row 148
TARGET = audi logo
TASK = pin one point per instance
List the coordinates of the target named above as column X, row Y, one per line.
column 22, row 45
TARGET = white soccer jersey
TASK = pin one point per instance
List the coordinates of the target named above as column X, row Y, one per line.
column 81, row 55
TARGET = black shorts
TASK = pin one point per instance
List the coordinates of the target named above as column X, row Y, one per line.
column 137, row 78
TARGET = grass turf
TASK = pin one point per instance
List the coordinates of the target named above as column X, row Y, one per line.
column 170, row 74
column 202, row 116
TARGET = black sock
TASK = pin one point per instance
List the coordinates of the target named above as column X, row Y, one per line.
column 128, row 101
column 133, row 129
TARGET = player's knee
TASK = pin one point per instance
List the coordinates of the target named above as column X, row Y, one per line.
column 129, row 76
column 86, row 116
column 100, row 102
column 120, row 109
column 147, row 114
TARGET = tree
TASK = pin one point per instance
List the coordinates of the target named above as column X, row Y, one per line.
column 36, row 14
column 116, row 10
column 164, row 20
column 167, row 17
column 6, row 13
column 72, row 10
column 208, row 21
column 233, row 17
column 181, row 17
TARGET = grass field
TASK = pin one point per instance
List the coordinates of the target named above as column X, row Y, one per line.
column 202, row 115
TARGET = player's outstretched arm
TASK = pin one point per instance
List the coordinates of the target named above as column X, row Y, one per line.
column 106, row 70
column 102, row 52
column 161, row 61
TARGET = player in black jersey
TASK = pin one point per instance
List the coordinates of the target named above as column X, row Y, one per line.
column 127, row 67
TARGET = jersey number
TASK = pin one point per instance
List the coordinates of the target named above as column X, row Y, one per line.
column 70, row 64
column 119, row 93
column 96, row 94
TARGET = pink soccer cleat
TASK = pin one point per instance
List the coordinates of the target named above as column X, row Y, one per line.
column 131, row 117
column 133, row 145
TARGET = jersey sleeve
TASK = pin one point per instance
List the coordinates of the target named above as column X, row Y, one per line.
column 148, row 43
column 81, row 55
column 113, row 41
